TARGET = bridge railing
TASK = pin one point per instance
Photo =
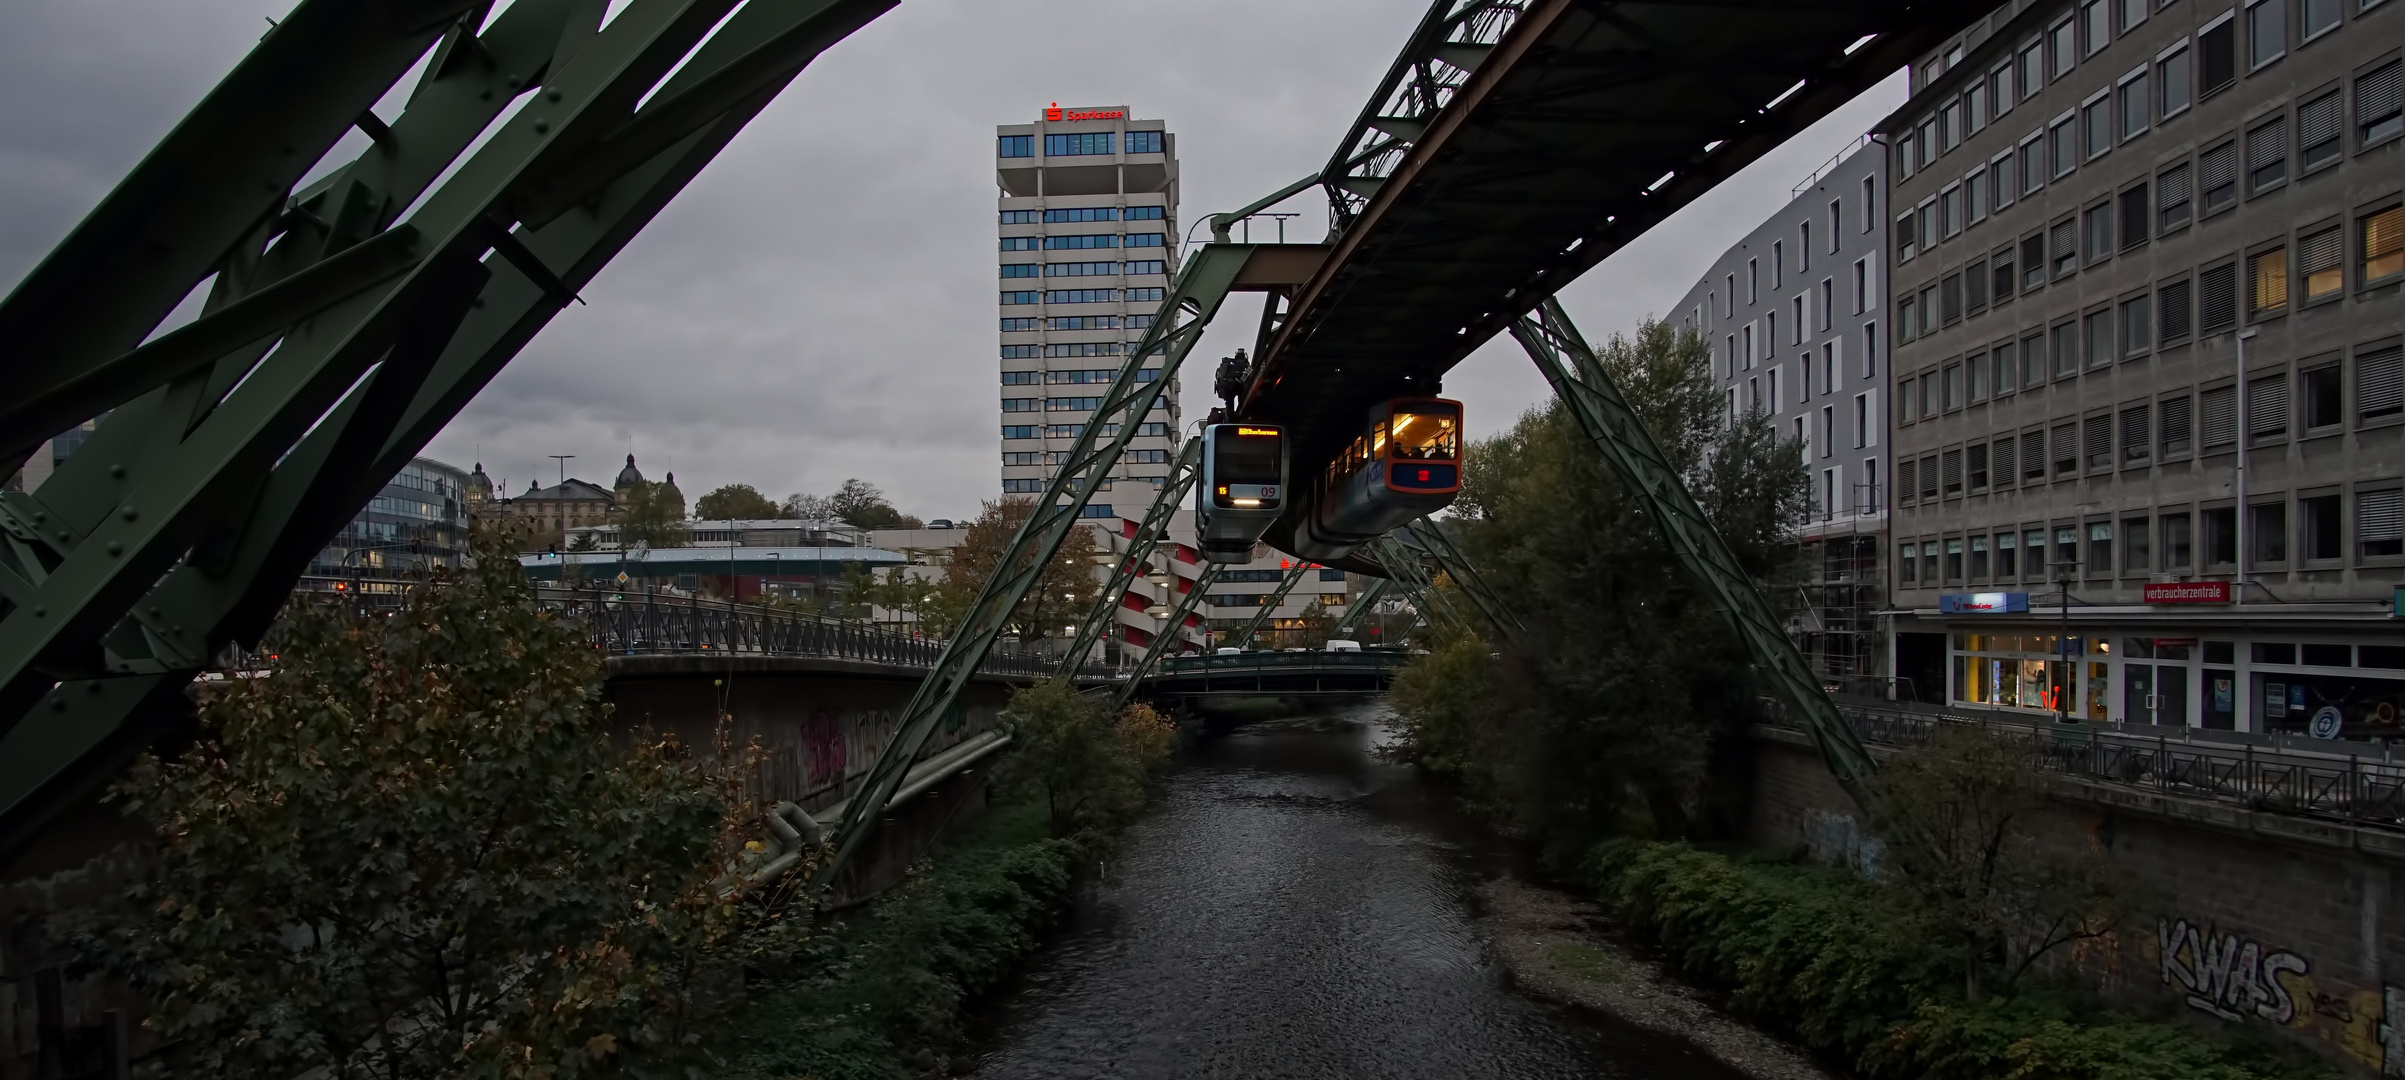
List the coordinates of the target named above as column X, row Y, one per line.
column 2333, row 780
column 636, row 624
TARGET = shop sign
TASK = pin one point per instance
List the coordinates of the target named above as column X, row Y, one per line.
column 2326, row 723
column 1056, row 113
column 2189, row 592
column 1982, row 603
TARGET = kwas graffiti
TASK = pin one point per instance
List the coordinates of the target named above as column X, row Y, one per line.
column 2228, row 975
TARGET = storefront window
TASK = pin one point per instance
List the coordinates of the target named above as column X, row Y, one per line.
column 2008, row 670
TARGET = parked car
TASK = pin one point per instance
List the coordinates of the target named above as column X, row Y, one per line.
column 1343, row 645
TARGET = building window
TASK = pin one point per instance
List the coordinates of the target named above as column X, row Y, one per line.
column 1011, row 325
column 2033, row 166
column 1020, row 270
column 2266, row 32
column 2172, row 311
column 2267, row 155
column 1137, row 240
column 2377, row 116
column 1021, row 217
column 2380, row 522
column 2098, row 221
column 2172, row 74
column 1147, row 213
column 2267, row 283
column 2179, row 544
column 2267, row 409
column 2062, row 244
column 2217, row 299
column 1081, row 214
column 2217, row 59
column 1905, row 562
column 2062, row 50
column 1081, row 269
column 2066, row 449
column 2033, row 461
column 1022, row 404
column 2221, row 536
column 2267, row 528
column 1020, row 352
column 1022, row 243
column 2064, row 344
column 2033, row 69
column 2220, row 407
column 1015, row 146
column 1081, row 242
column 1870, row 205
column 1022, row 487
column 2134, row 218
column 2379, row 383
column 1090, row 143
column 2318, row 264
column 1144, row 142
column 1870, row 349
column 2320, row 15
column 2096, row 128
column 2100, row 548
column 1141, row 267
column 2175, row 427
column 2135, row 321
column 2097, row 442
column 1974, row 195
column 1022, row 457
column 1016, row 298
column 2062, row 149
column 2033, row 262
column 2130, row 98
column 1019, row 431
column 2319, row 388
column 2317, row 124
column 2383, row 236
column 2137, row 443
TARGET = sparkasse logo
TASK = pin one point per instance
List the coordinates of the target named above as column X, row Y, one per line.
column 1056, row 113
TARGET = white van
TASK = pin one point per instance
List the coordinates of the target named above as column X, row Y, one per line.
column 1343, row 645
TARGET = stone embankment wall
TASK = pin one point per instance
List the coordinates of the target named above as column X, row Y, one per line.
column 2244, row 917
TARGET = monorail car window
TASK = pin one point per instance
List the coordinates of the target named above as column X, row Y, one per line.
column 1427, row 436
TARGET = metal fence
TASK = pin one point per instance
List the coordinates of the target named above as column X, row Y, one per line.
column 2353, row 782
column 647, row 623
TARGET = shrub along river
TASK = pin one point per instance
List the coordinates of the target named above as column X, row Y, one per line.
column 1296, row 906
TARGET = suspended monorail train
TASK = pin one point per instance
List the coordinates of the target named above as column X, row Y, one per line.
column 1404, row 465
column 1243, row 489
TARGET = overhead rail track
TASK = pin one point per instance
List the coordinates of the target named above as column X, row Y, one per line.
column 344, row 324
column 1515, row 144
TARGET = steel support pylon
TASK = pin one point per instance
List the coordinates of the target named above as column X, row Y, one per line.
column 1616, row 430
column 1428, row 537
column 1361, row 606
column 1269, row 606
column 1140, row 547
column 1173, row 628
column 1205, row 280
column 338, row 337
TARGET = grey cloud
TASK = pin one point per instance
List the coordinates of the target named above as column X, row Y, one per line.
column 819, row 303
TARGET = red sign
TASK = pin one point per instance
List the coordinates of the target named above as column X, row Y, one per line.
column 1057, row 113
column 2189, row 592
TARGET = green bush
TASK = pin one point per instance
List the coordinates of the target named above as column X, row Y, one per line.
column 1809, row 950
column 889, row 982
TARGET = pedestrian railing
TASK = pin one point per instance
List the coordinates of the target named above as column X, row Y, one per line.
column 2359, row 783
column 651, row 624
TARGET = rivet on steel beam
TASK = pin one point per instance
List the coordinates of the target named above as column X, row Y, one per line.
column 129, row 513
column 39, row 611
column 554, row 96
column 92, row 687
column 540, row 127
column 116, row 548
column 58, row 704
column 117, row 471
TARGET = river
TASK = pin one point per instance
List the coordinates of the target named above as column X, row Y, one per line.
column 1296, row 907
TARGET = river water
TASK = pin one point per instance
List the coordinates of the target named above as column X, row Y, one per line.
column 1296, row 907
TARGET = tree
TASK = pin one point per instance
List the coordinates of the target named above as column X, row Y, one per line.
column 803, row 506
column 736, row 502
column 411, row 850
column 652, row 513
column 1624, row 704
column 1089, row 766
column 1062, row 594
column 1962, row 849
column 859, row 504
column 1313, row 634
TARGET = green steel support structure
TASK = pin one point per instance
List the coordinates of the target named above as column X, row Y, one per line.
column 1205, row 280
column 1607, row 418
column 1269, row 606
column 1409, row 569
column 1172, row 631
column 1360, row 609
column 345, row 325
column 1429, row 537
column 1165, row 506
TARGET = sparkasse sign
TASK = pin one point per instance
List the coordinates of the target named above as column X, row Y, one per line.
column 1056, row 113
column 2189, row 592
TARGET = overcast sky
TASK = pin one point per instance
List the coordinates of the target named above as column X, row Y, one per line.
column 819, row 304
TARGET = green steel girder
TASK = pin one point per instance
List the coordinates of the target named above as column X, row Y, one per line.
column 1409, row 569
column 1173, row 630
column 1615, row 428
column 1202, row 284
column 337, row 340
column 1428, row 537
column 1269, row 606
column 1165, row 507
column 1360, row 609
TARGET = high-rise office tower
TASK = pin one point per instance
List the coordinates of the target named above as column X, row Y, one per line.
column 1088, row 224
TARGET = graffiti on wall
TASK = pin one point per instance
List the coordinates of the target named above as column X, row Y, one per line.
column 2229, row 975
column 824, row 748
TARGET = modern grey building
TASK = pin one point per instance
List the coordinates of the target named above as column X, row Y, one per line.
column 1089, row 238
column 418, row 522
column 2146, row 277
column 1792, row 316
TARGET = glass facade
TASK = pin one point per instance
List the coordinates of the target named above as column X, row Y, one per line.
column 418, row 522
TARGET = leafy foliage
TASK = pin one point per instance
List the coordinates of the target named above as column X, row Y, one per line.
column 410, row 850
column 890, row 984
column 736, row 501
column 1808, row 950
column 1088, row 767
column 861, row 505
column 1612, row 713
column 1062, row 594
column 1956, row 820
column 653, row 513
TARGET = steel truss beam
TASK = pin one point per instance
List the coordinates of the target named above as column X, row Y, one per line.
column 1616, row 430
column 337, row 338
column 1173, row 630
column 1360, row 609
column 1429, row 537
column 1408, row 566
column 1165, row 507
column 1205, row 280
column 1270, row 606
